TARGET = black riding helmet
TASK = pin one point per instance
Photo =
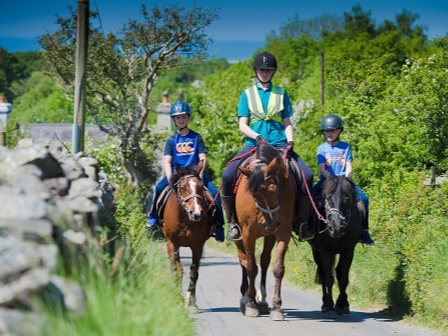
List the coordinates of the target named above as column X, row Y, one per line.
column 265, row 60
column 331, row 122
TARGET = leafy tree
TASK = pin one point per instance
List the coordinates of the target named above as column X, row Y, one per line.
column 42, row 101
column 122, row 69
column 16, row 67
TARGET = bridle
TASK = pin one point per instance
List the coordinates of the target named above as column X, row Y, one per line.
column 183, row 200
column 331, row 211
column 267, row 210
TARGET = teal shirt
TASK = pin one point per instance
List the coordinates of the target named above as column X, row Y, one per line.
column 272, row 131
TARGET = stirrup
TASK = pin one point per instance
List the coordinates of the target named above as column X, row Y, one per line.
column 237, row 227
column 305, row 233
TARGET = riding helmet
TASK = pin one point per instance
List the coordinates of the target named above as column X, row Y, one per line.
column 180, row 107
column 265, row 60
column 331, row 122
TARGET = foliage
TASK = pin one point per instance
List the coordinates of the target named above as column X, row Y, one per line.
column 42, row 101
column 126, row 67
column 14, row 68
column 143, row 298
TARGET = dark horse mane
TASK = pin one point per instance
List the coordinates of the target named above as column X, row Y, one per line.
column 181, row 173
column 339, row 185
column 265, row 154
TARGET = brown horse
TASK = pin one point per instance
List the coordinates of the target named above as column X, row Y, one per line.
column 187, row 224
column 265, row 208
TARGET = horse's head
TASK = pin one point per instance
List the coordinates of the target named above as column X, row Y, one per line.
column 189, row 190
column 339, row 199
column 266, row 174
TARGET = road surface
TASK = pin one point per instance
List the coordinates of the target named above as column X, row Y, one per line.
column 218, row 301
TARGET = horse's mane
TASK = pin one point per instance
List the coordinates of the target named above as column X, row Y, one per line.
column 339, row 185
column 265, row 154
column 179, row 174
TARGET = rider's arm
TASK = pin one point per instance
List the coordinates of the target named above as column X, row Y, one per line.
column 288, row 129
column 167, row 166
column 324, row 172
column 349, row 170
column 203, row 157
column 245, row 129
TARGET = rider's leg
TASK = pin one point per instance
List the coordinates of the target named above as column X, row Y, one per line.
column 153, row 216
column 228, row 197
column 228, row 201
column 365, row 236
column 234, row 232
column 305, row 208
column 219, row 230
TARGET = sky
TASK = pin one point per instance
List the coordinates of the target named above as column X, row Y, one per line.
column 238, row 33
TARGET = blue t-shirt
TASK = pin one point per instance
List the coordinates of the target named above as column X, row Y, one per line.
column 272, row 131
column 335, row 157
column 185, row 150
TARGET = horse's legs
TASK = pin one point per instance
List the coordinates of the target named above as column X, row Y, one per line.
column 265, row 260
column 342, row 271
column 174, row 257
column 244, row 281
column 327, row 281
column 190, row 295
column 279, row 272
column 249, row 263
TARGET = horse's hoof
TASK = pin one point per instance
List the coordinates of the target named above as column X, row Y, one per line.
column 277, row 315
column 342, row 310
column 251, row 310
column 193, row 310
column 326, row 309
column 263, row 307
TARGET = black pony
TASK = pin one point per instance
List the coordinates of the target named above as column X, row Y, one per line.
column 337, row 232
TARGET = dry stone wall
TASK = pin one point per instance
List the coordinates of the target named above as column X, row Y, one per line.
column 49, row 204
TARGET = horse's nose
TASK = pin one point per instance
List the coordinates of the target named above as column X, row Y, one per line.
column 195, row 215
column 271, row 228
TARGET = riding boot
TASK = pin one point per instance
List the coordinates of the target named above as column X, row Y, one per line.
column 234, row 232
column 302, row 220
column 365, row 235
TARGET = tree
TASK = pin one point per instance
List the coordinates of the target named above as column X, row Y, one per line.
column 122, row 69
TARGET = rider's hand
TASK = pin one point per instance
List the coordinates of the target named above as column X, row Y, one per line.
column 291, row 145
column 259, row 139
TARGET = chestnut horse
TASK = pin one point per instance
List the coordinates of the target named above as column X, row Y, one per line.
column 265, row 208
column 336, row 233
column 187, row 224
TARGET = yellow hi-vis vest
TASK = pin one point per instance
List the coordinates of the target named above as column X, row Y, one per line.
column 275, row 104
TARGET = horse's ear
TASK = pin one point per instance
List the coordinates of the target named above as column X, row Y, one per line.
column 270, row 168
column 199, row 166
column 178, row 168
column 245, row 171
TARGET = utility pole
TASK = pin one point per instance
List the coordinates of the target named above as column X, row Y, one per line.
column 82, row 37
column 322, row 78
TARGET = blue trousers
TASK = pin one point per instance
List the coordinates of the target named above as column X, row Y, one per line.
column 228, row 176
column 317, row 190
column 163, row 183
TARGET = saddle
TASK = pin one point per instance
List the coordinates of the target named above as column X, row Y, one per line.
column 294, row 170
column 161, row 202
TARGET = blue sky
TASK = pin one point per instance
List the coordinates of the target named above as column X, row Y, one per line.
column 239, row 32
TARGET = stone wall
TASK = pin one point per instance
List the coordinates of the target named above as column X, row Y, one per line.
column 49, row 206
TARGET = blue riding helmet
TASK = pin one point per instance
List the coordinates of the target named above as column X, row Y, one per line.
column 180, row 107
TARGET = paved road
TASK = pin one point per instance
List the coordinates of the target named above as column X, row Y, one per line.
column 218, row 300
